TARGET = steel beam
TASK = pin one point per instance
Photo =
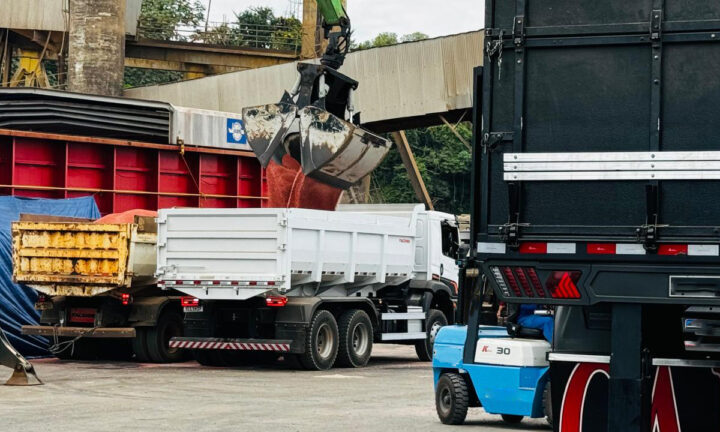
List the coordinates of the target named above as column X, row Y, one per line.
column 408, row 159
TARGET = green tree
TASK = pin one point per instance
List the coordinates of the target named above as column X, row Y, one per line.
column 160, row 19
column 258, row 27
column 443, row 160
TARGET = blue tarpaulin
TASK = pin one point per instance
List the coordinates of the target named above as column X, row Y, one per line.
column 17, row 301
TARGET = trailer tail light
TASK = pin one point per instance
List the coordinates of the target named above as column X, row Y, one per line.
column 562, row 284
column 512, row 282
column 535, row 280
column 188, row 301
column 276, row 301
column 126, row 299
column 524, row 282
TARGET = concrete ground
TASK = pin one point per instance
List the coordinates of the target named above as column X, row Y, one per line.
column 394, row 393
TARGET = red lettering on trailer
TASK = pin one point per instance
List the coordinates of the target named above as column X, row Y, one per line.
column 664, row 413
column 573, row 401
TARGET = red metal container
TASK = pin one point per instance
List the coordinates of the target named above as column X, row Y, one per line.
column 125, row 175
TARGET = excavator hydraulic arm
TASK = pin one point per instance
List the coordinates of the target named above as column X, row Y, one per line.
column 315, row 123
column 23, row 371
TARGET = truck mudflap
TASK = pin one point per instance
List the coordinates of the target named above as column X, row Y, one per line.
column 269, row 345
column 678, row 395
column 23, row 371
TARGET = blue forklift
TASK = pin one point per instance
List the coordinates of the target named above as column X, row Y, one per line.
column 501, row 369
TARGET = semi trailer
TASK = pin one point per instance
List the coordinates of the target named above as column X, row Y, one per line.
column 98, row 295
column 596, row 169
column 317, row 286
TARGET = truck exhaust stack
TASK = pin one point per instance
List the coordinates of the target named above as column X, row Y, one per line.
column 23, row 371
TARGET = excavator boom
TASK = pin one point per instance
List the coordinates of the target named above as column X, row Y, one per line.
column 315, row 123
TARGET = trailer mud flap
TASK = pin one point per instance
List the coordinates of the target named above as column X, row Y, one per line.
column 23, row 372
column 681, row 398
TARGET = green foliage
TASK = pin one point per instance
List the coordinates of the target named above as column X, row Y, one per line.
column 137, row 77
column 443, row 160
column 387, row 39
column 414, row 37
column 444, row 163
column 160, row 18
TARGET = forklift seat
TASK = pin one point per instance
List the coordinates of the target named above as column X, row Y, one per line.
column 515, row 330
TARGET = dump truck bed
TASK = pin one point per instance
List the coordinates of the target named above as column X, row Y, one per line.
column 235, row 254
column 83, row 258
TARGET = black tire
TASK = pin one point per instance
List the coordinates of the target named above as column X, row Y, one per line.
column 424, row 348
column 321, row 342
column 139, row 345
column 169, row 325
column 511, row 418
column 452, row 399
column 547, row 403
column 356, row 339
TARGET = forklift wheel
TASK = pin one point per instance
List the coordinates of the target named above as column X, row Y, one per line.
column 512, row 419
column 452, row 399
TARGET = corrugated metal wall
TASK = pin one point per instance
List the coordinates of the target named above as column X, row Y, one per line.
column 48, row 15
column 401, row 81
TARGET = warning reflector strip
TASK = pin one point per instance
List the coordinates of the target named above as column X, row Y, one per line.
column 237, row 345
column 542, row 248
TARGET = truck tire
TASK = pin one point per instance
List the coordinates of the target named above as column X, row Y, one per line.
column 434, row 321
column 547, row 403
column 321, row 342
column 139, row 345
column 356, row 339
column 452, row 399
column 169, row 325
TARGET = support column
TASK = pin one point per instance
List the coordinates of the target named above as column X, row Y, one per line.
column 408, row 159
column 96, row 50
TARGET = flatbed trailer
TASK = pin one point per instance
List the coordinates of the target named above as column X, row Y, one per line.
column 595, row 173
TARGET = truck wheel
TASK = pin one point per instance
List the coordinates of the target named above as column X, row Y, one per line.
column 356, row 339
column 139, row 345
column 434, row 321
column 511, row 419
column 169, row 325
column 547, row 403
column 452, row 399
column 321, row 342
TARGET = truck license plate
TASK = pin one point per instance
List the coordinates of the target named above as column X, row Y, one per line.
column 187, row 309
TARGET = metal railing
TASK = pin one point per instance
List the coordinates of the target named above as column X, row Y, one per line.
column 274, row 37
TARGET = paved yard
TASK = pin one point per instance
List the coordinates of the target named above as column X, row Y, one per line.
column 394, row 393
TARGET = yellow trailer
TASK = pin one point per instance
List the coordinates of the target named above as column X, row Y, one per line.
column 98, row 292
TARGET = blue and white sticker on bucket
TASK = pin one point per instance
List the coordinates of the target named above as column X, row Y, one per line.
column 236, row 131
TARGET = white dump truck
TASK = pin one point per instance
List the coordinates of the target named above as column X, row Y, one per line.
column 319, row 285
column 98, row 296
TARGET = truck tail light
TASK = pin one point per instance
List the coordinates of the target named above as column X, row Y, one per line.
column 276, row 301
column 126, row 299
column 562, row 284
column 536, row 282
column 512, row 282
column 188, row 301
column 524, row 282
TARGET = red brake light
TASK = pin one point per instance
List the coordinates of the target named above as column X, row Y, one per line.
column 276, row 301
column 524, row 281
column 562, row 284
column 672, row 249
column 536, row 282
column 188, row 301
column 126, row 299
column 510, row 277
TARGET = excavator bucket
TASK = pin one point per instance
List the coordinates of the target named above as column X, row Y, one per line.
column 335, row 151
column 23, row 372
column 266, row 127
